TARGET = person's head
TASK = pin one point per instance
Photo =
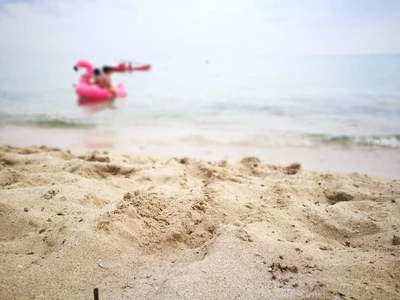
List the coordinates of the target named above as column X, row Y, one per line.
column 97, row 72
column 107, row 70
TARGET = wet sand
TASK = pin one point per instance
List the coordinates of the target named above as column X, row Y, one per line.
column 373, row 161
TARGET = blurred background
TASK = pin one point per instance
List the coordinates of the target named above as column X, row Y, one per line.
column 283, row 80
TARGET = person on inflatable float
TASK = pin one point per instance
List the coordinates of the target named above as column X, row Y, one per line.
column 96, row 78
column 106, row 80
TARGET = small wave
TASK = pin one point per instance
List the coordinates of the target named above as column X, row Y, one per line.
column 391, row 141
column 58, row 123
column 43, row 121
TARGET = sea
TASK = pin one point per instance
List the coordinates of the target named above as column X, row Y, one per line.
column 339, row 100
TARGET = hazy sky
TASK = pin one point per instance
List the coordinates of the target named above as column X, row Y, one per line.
column 154, row 30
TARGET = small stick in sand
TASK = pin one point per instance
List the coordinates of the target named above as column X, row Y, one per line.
column 96, row 294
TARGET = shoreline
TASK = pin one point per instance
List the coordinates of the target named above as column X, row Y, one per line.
column 373, row 161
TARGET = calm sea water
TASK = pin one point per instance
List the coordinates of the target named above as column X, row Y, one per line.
column 287, row 101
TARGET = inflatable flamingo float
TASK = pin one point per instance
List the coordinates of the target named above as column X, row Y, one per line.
column 90, row 91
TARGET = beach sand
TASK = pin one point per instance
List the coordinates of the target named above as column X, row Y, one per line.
column 138, row 227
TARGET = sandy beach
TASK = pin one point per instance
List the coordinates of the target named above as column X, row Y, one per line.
column 139, row 227
column 223, row 150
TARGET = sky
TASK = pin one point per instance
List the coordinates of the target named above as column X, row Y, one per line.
column 154, row 30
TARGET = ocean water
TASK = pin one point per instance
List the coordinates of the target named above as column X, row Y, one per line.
column 331, row 100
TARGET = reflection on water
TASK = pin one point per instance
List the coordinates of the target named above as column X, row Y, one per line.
column 98, row 137
column 93, row 106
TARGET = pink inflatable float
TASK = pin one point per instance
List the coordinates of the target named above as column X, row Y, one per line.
column 89, row 91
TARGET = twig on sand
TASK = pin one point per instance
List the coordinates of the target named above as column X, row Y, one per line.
column 96, row 294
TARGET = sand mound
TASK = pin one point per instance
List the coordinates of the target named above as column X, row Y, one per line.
column 142, row 228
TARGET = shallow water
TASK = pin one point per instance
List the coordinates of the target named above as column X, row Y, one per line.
column 346, row 100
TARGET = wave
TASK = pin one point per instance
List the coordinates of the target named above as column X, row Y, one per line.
column 43, row 121
column 390, row 141
column 59, row 123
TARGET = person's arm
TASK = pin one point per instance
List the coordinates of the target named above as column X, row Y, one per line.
column 110, row 87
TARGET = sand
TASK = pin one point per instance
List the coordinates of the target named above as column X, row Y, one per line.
column 138, row 227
